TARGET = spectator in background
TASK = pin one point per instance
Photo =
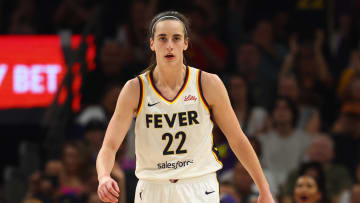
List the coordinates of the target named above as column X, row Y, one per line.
column 94, row 136
column 337, row 178
column 23, row 19
column 308, row 62
column 288, row 86
column 280, row 23
column 310, row 67
column 346, row 196
column 349, row 83
column 343, row 40
column 206, row 51
column 272, row 53
column 260, row 86
column 239, row 96
column 346, row 134
column 244, row 185
column 131, row 35
column 73, row 14
column 228, row 176
column 115, row 66
column 228, row 193
column 235, row 30
column 75, row 162
column 251, row 118
column 283, row 146
column 103, row 111
column 355, row 193
column 309, row 189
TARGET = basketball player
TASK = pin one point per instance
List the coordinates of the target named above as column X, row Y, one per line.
column 175, row 161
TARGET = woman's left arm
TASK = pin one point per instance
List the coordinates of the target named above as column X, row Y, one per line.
column 219, row 102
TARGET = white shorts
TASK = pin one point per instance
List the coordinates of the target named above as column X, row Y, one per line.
column 203, row 189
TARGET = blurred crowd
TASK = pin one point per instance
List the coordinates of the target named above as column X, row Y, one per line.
column 292, row 69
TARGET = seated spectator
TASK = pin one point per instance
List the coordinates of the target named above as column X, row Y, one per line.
column 336, row 176
column 206, row 51
column 346, row 195
column 283, row 146
column 288, row 86
column 228, row 176
column 346, row 134
column 131, row 35
column 94, row 136
column 272, row 53
column 72, row 179
column 247, row 64
column 249, row 116
column 309, row 189
column 307, row 61
column 343, row 40
column 103, row 111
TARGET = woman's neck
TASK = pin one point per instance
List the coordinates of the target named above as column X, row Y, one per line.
column 170, row 77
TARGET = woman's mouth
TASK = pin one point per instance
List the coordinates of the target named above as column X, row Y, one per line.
column 169, row 56
column 304, row 198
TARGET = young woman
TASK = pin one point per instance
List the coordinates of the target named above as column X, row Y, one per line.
column 308, row 190
column 173, row 102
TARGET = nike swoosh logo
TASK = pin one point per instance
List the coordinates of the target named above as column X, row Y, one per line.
column 206, row 192
column 149, row 105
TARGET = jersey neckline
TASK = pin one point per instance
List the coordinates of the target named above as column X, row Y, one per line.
column 157, row 91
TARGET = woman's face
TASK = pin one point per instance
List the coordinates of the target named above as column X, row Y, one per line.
column 71, row 158
column 169, row 42
column 306, row 190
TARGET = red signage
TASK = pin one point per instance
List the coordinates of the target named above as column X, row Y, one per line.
column 31, row 70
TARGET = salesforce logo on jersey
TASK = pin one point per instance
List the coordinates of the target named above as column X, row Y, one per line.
column 174, row 165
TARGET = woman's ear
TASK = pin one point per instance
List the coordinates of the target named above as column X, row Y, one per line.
column 186, row 42
column 152, row 44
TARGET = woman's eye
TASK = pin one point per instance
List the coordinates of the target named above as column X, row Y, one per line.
column 162, row 39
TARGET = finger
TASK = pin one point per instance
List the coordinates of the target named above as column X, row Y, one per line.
column 109, row 196
column 103, row 197
column 111, row 189
column 116, row 187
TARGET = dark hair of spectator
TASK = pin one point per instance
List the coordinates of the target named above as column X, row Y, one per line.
column 167, row 15
column 292, row 106
column 319, row 179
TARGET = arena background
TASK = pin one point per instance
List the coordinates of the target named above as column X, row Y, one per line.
column 63, row 63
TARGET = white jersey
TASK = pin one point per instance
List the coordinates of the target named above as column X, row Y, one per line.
column 174, row 137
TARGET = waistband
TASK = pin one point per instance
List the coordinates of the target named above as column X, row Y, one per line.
column 180, row 181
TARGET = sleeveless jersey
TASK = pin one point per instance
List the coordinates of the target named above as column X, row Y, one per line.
column 173, row 138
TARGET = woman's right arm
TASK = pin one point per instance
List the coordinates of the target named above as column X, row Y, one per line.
column 120, row 122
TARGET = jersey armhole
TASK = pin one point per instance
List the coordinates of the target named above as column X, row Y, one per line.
column 203, row 100
column 141, row 95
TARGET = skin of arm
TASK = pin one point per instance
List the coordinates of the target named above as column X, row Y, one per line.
column 323, row 70
column 218, row 100
column 119, row 125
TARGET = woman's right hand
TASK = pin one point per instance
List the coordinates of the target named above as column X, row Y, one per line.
column 108, row 189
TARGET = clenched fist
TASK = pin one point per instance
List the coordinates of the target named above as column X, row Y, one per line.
column 108, row 189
